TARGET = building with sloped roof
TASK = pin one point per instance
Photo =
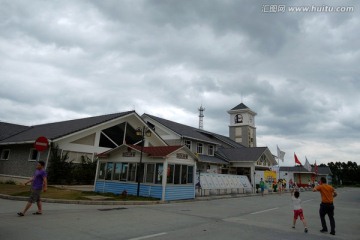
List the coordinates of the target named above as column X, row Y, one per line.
column 119, row 170
column 105, row 137
column 302, row 177
column 78, row 138
column 217, row 153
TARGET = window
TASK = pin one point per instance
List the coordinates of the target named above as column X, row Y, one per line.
column 177, row 174
column 199, row 148
column 132, row 172
column 159, row 173
column 5, row 153
column 109, row 170
column 190, row 173
column 170, row 173
column 188, row 144
column 101, row 174
column 183, row 174
column 141, row 172
column 34, row 155
column 117, row 171
column 123, row 173
column 78, row 157
column 180, row 174
column 150, row 170
column 211, row 150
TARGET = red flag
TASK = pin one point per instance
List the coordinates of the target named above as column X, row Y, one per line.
column 296, row 159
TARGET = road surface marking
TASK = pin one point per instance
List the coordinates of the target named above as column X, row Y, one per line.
column 149, row 236
column 267, row 210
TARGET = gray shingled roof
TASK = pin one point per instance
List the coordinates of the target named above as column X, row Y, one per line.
column 240, row 106
column 211, row 159
column 56, row 130
column 183, row 130
column 242, row 154
column 8, row 129
column 195, row 133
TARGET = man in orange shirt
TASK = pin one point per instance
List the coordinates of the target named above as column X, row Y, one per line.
column 327, row 205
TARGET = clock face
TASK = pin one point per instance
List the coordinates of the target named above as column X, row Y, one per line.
column 238, row 118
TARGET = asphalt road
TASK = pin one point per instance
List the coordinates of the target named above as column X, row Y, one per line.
column 256, row 217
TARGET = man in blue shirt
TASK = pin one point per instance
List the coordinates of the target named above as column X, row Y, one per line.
column 39, row 183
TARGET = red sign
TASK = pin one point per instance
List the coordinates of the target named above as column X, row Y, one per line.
column 41, row 144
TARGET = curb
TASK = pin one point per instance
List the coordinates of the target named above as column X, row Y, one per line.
column 96, row 202
column 83, row 202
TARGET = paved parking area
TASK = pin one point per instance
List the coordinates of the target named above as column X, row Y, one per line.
column 255, row 217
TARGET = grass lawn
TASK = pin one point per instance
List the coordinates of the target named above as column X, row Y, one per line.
column 60, row 193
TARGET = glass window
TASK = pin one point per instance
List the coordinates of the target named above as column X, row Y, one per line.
column 123, row 173
column 199, row 148
column 101, row 174
column 5, row 153
column 183, row 174
column 132, row 172
column 109, row 170
column 177, row 174
column 34, row 155
column 159, row 173
column 188, row 144
column 141, row 172
column 211, row 150
column 117, row 171
column 150, row 170
column 170, row 173
column 190, row 174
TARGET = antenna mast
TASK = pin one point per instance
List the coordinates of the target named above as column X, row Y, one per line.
column 201, row 117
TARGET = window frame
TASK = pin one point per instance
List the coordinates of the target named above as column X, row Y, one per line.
column 32, row 150
column 211, row 150
column 188, row 144
column 170, row 174
column 152, row 174
column 3, row 153
column 199, row 146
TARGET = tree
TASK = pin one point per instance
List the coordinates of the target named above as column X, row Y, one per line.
column 60, row 169
column 345, row 173
column 84, row 172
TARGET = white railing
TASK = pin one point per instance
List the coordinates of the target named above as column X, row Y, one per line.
column 217, row 184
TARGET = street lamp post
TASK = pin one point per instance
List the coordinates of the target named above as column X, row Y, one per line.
column 142, row 133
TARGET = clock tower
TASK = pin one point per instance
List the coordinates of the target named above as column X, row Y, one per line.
column 242, row 125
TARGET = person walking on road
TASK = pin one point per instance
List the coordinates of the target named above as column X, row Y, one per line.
column 298, row 211
column 262, row 186
column 38, row 184
column 327, row 205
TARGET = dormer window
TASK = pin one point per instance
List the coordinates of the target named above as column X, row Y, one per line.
column 211, row 150
column 188, row 144
column 199, row 148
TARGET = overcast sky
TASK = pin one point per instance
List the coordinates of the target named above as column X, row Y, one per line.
column 299, row 71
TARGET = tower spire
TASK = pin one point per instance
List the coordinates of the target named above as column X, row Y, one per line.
column 201, row 117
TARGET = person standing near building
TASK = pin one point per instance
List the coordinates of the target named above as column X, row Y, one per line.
column 38, row 184
column 327, row 205
column 262, row 186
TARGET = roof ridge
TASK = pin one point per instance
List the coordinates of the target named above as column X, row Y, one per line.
column 152, row 116
column 84, row 118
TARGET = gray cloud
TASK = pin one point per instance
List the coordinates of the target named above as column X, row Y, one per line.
column 299, row 71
